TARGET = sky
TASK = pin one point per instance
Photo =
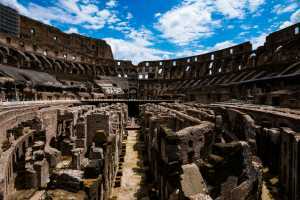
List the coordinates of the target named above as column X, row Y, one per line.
column 141, row 30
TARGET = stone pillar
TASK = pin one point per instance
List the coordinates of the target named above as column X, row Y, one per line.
column 42, row 170
column 17, row 94
column 289, row 164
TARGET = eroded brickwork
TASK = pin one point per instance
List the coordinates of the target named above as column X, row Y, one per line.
column 63, row 148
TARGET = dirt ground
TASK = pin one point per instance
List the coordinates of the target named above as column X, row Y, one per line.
column 133, row 179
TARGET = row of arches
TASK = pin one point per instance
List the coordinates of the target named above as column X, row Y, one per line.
column 28, row 60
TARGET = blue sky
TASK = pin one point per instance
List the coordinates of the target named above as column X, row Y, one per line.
column 140, row 30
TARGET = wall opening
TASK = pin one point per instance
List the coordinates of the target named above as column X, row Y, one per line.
column 133, row 109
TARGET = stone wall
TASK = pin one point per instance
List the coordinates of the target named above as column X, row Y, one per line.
column 179, row 145
column 63, row 147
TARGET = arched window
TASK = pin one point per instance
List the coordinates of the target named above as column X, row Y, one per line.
column 187, row 68
column 160, row 71
column 297, row 30
column 8, row 40
column 190, row 143
column 32, row 31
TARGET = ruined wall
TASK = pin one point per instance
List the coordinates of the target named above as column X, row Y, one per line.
column 237, row 72
column 35, row 36
column 180, row 147
column 245, row 145
column 49, row 150
column 272, row 136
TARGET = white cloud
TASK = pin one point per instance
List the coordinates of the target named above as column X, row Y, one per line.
column 187, row 22
column 231, row 8
column 202, row 50
column 230, row 27
column 14, row 4
column 75, row 12
column 245, row 27
column 222, row 45
column 280, row 9
column 248, row 27
column 295, row 18
column 237, row 8
column 189, row 52
column 72, row 30
column 129, row 16
column 254, row 4
column 111, row 3
column 141, row 37
column 125, row 49
column 194, row 19
column 243, row 33
column 157, row 14
column 285, row 24
column 259, row 40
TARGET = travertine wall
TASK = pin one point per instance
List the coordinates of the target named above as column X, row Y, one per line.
column 175, row 140
column 68, row 142
column 226, row 141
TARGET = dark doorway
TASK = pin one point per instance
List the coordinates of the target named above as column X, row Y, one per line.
column 133, row 109
column 275, row 101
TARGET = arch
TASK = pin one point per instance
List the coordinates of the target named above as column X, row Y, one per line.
column 87, row 69
column 37, row 61
column 80, row 68
column 112, row 71
column 5, row 50
column 99, row 70
column 30, row 140
column 64, row 66
column 133, row 93
column 45, row 64
column 45, row 58
column 74, row 69
column 119, row 71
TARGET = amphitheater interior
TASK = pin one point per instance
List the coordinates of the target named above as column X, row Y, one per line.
column 78, row 124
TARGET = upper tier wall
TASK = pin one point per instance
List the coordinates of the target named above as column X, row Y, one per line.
column 45, row 36
column 35, row 36
column 280, row 48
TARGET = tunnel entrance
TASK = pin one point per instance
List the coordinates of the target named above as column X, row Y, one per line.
column 133, row 109
column 275, row 101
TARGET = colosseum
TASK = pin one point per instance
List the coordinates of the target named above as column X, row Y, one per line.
column 78, row 124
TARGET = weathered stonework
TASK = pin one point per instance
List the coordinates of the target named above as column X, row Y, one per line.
column 228, row 128
column 45, row 149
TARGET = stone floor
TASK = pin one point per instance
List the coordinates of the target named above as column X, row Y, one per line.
column 270, row 186
column 133, row 179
